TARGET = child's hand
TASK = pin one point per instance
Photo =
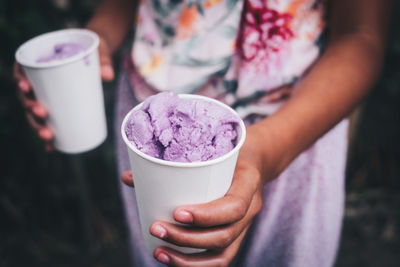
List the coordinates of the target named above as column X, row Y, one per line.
column 36, row 113
column 106, row 66
column 218, row 226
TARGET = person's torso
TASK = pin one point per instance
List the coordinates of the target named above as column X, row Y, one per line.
column 238, row 51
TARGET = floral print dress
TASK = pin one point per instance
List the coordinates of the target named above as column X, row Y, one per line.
column 240, row 52
column 246, row 53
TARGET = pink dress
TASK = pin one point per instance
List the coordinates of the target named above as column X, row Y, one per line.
column 246, row 54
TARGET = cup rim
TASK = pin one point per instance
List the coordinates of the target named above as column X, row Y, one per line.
column 27, row 63
column 186, row 164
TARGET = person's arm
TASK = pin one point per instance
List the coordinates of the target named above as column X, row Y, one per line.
column 112, row 21
column 340, row 79
column 328, row 93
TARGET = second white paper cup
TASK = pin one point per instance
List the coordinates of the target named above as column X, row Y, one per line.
column 162, row 186
column 69, row 88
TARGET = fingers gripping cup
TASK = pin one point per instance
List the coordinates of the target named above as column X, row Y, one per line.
column 175, row 163
column 63, row 68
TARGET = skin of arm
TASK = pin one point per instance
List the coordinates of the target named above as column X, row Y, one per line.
column 333, row 87
column 112, row 21
column 340, row 79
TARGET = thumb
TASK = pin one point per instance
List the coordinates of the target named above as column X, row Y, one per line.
column 107, row 72
column 106, row 66
column 127, row 178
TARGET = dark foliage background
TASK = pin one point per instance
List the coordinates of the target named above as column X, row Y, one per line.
column 62, row 210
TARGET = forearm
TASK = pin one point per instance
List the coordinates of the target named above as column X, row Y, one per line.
column 334, row 86
column 112, row 20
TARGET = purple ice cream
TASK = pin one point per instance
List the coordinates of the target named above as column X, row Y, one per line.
column 182, row 130
column 62, row 51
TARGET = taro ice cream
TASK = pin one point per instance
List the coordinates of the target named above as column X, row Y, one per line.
column 182, row 130
column 62, row 51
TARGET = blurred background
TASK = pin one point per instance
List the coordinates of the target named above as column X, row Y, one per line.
column 62, row 210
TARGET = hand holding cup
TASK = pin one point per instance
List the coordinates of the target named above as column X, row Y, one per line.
column 36, row 111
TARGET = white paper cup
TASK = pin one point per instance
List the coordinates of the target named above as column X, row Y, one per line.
column 162, row 186
column 69, row 88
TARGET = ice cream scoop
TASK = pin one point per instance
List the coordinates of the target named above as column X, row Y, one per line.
column 182, row 130
column 61, row 51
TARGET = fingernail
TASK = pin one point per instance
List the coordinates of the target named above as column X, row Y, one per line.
column 23, row 86
column 49, row 148
column 183, row 216
column 38, row 111
column 159, row 231
column 163, row 258
column 45, row 134
column 108, row 71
